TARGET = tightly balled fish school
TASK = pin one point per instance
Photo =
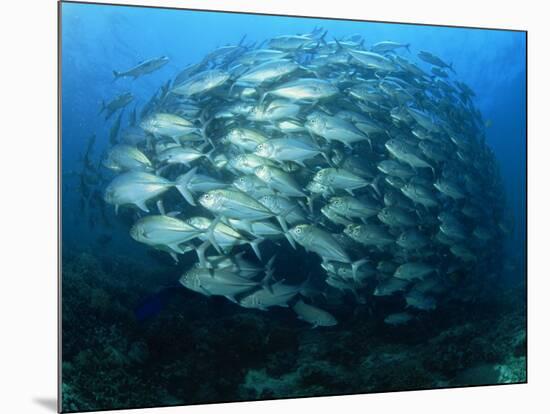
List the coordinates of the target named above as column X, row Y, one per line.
column 369, row 159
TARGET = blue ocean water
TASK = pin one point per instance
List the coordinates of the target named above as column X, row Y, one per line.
column 98, row 39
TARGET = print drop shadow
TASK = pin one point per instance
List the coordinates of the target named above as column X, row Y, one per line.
column 49, row 403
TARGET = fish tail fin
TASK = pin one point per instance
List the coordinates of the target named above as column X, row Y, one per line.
column 103, row 106
column 451, row 67
column 408, row 47
column 181, row 184
column 116, row 74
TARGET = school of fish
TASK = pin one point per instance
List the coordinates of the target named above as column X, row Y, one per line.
column 371, row 158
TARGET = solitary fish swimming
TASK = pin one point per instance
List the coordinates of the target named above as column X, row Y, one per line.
column 142, row 68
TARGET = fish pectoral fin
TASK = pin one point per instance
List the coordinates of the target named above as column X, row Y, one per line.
column 282, row 223
column 229, row 268
column 269, row 265
column 173, row 213
column 160, row 206
column 290, row 240
column 201, row 254
column 176, row 248
column 181, row 184
column 246, row 224
column 232, row 299
column 205, row 292
column 356, row 265
column 262, row 98
column 310, row 201
column 210, row 234
column 208, row 155
column 255, row 245
column 266, row 282
column 142, row 206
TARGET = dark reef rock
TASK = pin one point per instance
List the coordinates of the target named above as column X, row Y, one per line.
column 199, row 349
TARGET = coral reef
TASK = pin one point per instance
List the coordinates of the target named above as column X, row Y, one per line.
column 199, row 349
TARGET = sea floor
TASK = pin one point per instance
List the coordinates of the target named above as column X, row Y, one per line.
column 202, row 350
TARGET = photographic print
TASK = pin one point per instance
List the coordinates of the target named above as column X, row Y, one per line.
column 260, row 207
